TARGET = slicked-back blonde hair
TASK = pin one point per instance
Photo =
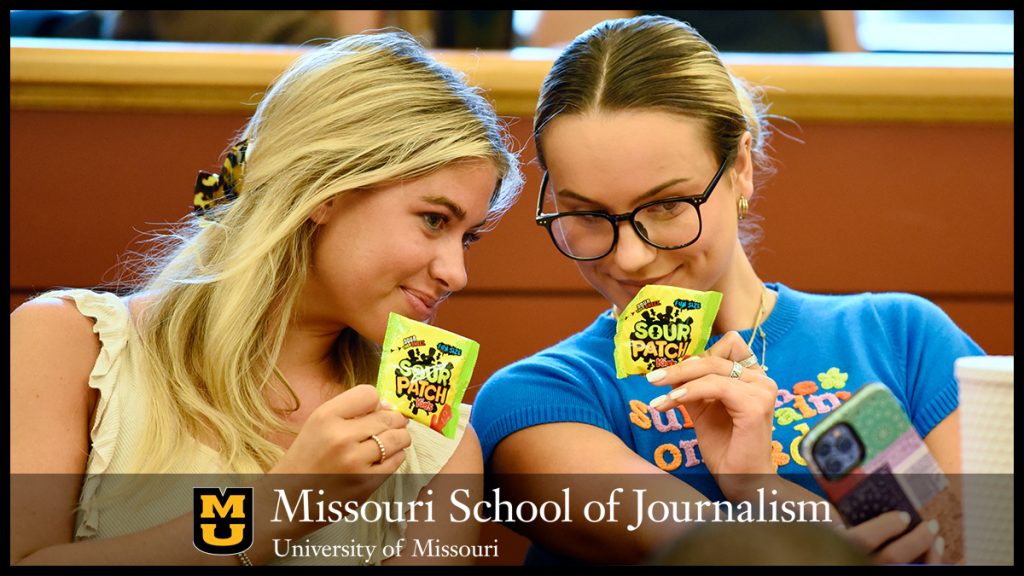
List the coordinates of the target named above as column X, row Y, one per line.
column 656, row 63
column 359, row 112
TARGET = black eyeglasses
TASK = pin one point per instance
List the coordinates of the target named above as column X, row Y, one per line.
column 666, row 224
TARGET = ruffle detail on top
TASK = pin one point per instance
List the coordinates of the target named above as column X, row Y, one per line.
column 113, row 328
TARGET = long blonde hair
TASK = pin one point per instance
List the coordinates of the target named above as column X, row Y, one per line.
column 655, row 62
column 356, row 113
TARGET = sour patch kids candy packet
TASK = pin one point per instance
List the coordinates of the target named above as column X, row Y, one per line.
column 424, row 372
column 662, row 326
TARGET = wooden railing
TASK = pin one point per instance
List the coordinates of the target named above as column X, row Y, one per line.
column 76, row 74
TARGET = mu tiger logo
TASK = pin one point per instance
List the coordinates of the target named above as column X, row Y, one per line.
column 222, row 520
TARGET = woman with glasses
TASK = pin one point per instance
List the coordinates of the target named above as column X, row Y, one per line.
column 650, row 150
column 354, row 191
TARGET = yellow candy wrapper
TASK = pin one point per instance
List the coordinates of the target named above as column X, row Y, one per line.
column 662, row 326
column 424, row 372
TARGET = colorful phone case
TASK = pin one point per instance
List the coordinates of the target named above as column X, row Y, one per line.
column 894, row 472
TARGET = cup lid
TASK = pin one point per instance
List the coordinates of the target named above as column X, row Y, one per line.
column 988, row 368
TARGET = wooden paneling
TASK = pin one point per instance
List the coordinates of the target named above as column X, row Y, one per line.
column 920, row 208
column 926, row 209
column 86, row 186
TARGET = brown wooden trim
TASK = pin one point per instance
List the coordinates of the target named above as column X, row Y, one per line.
column 89, row 74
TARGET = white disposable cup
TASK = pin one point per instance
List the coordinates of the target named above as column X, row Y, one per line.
column 986, row 440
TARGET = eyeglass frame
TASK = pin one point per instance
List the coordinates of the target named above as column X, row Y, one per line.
column 545, row 220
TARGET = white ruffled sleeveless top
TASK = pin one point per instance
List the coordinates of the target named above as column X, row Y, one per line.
column 117, row 425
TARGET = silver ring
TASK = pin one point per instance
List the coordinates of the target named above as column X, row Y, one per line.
column 737, row 369
column 749, row 361
column 383, row 452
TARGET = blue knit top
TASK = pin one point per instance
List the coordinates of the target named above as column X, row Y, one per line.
column 820, row 349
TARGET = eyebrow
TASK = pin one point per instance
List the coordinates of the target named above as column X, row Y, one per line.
column 454, row 208
column 649, row 194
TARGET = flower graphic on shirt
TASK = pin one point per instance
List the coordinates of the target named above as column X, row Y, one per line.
column 833, row 379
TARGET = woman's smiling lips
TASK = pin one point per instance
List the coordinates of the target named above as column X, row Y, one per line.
column 631, row 287
column 422, row 303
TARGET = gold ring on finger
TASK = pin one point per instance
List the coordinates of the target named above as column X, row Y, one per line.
column 380, row 445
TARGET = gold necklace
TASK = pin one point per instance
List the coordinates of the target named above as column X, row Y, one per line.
column 757, row 328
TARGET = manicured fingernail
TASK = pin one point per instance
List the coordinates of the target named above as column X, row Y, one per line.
column 387, row 405
column 688, row 358
column 656, row 375
column 905, row 517
column 940, row 545
column 677, row 393
column 933, row 526
column 657, row 401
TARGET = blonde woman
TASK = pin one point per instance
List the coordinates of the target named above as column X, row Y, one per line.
column 650, row 150
column 363, row 176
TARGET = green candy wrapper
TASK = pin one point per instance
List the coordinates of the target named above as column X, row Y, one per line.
column 424, row 372
column 662, row 326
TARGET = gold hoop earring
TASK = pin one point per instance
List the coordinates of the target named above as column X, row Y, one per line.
column 742, row 207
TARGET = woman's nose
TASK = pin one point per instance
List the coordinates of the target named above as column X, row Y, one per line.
column 449, row 266
column 631, row 253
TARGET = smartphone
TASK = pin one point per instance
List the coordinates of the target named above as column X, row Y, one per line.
column 869, row 459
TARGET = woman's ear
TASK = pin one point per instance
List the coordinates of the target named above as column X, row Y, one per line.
column 322, row 214
column 743, row 168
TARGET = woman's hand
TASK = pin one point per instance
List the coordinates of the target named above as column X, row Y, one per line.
column 732, row 416
column 337, row 440
column 920, row 545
